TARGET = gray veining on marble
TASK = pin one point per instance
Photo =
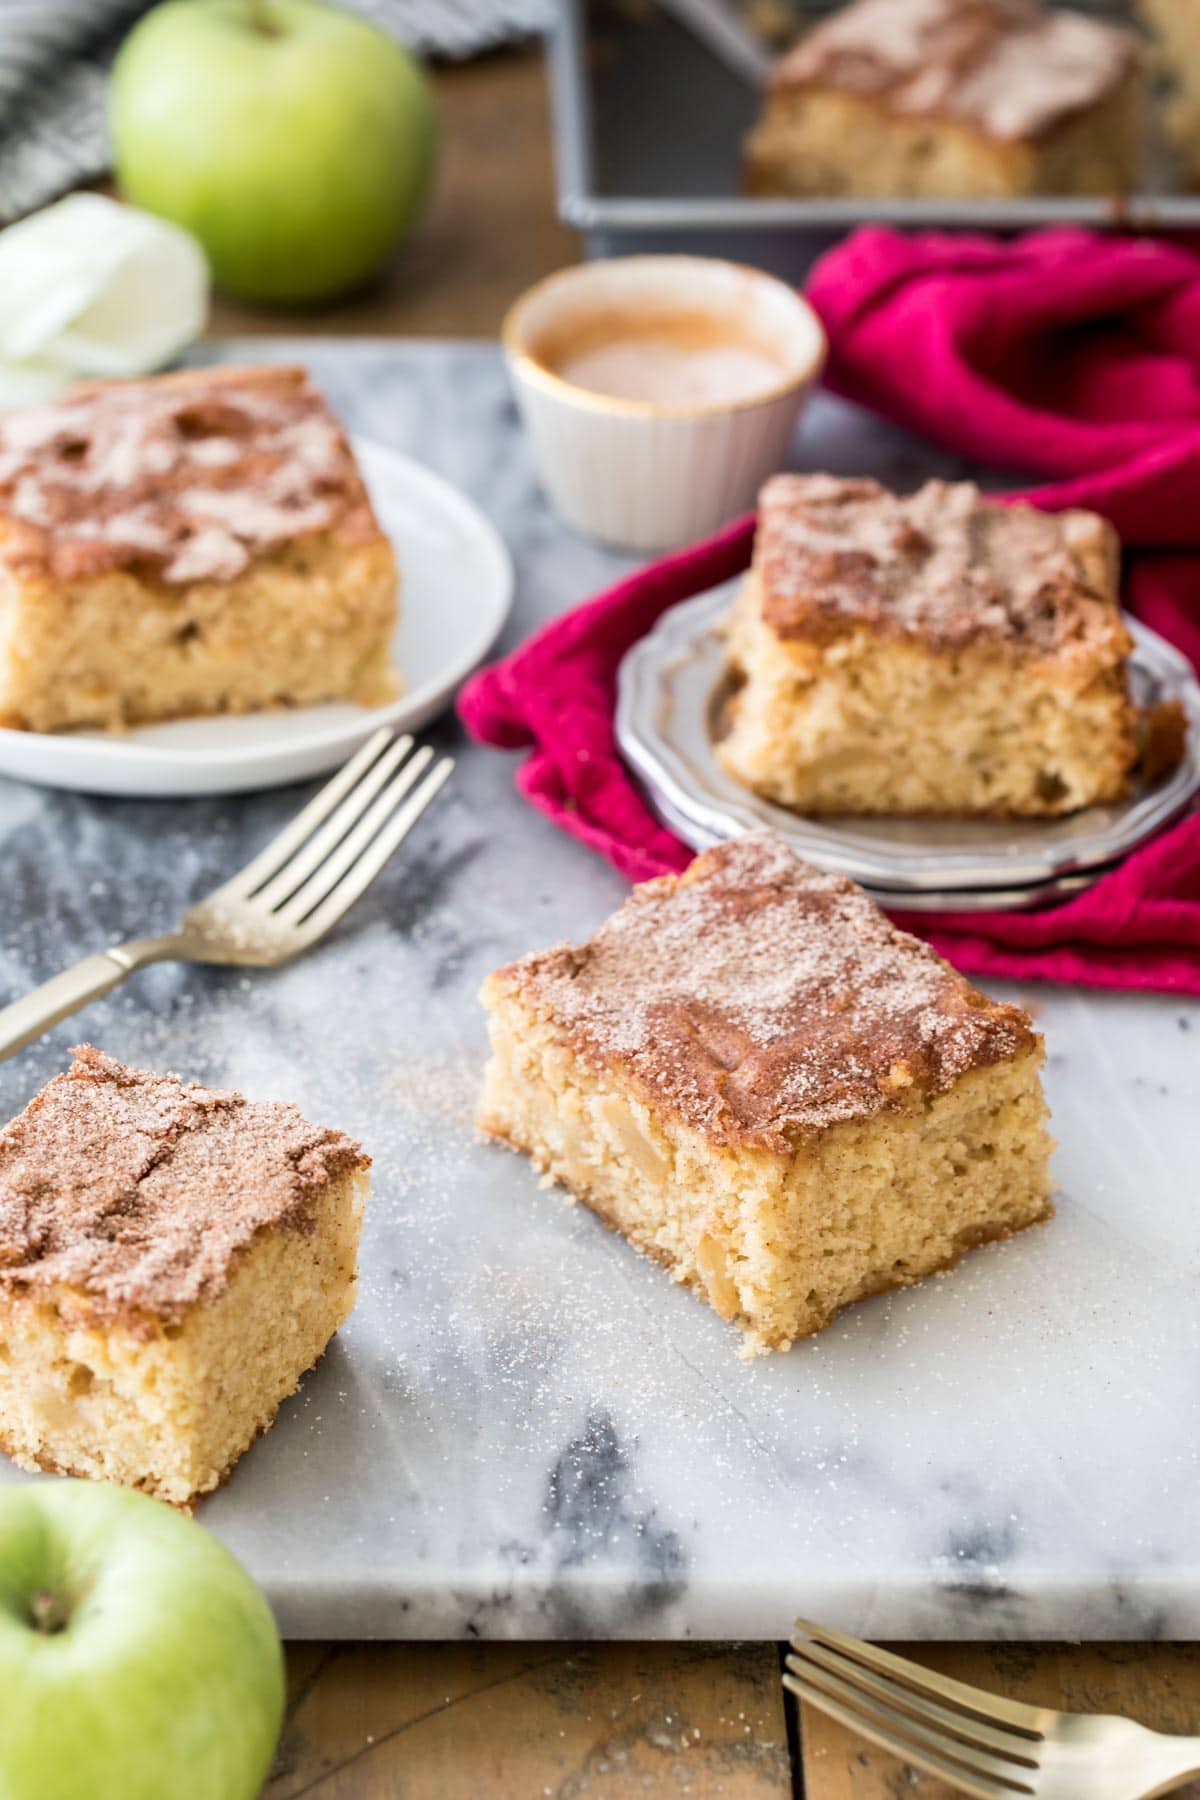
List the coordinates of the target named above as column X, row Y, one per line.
column 526, row 1429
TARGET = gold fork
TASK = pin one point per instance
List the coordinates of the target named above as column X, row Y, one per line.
column 280, row 903
column 976, row 1742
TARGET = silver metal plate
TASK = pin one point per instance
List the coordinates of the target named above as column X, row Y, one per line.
column 670, row 690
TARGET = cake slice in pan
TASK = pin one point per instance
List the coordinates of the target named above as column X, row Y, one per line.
column 952, row 99
column 761, row 1082
column 193, row 543
column 172, row 1260
column 938, row 653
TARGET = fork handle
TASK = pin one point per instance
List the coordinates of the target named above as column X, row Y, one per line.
column 62, row 995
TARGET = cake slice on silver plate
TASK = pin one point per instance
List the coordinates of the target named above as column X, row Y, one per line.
column 930, row 653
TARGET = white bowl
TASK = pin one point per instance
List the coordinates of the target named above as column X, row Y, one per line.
column 638, row 473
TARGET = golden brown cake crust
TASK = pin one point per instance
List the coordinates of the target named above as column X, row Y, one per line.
column 140, row 1190
column 943, row 566
column 763, row 1000
column 1010, row 69
column 189, row 476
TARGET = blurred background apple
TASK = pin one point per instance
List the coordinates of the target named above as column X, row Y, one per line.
column 295, row 141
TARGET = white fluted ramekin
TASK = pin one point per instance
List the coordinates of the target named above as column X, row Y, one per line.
column 637, row 473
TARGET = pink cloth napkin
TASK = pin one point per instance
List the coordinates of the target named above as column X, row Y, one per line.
column 1074, row 355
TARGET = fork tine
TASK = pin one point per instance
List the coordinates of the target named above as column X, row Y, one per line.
column 1003, row 1741
column 1005, row 1755
column 310, row 855
column 268, row 860
column 899, row 1743
column 989, row 1709
column 363, row 871
column 324, row 878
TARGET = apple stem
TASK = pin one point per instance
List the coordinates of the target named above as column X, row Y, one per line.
column 261, row 18
column 48, row 1612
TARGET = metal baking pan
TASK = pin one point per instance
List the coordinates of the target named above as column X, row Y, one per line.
column 649, row 122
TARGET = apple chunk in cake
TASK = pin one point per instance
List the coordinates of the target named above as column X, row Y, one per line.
column 194, row 543
column 762, row 1083
column 937, row 653
column 952, row 98
column 172, row 1260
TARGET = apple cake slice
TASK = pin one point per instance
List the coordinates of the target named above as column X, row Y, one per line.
column 761, row 1082
column 952, row 99
column 194, row 543
column 172, row 1260
column 933, row 653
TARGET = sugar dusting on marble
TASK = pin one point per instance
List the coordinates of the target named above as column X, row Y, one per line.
column 417, row 1455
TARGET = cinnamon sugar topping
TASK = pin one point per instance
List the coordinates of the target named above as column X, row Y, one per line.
column 943, row 564
column 191, row 474
column 1010, row 68
column 764, row 1001
column 141, row 1190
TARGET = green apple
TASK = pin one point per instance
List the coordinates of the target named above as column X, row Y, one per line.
column 138, row 1661
column 294, row 141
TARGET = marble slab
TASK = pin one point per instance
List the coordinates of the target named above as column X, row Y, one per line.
column 526, row 1430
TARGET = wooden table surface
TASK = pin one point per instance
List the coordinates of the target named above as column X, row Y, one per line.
column 505, row 1721
column 610, row 1721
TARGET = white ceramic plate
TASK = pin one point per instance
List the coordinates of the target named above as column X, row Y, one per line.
column 456, row 588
